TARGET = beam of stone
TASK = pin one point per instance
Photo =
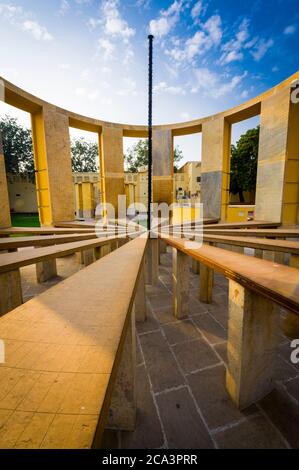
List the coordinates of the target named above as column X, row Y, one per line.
column 122, row 412
column 140, row 299
column 45, row 270
column 180, row 283
column 252, row 341
column 10, row 291
column 206, row 283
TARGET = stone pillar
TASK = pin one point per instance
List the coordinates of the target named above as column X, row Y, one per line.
column 122, row 413
column 195, row 266
column 87, row 200
column 4, row 199
column 52, row 160
column 140, row 299
column 180, row 283
column 252, row 340
column 216, row 136
column 162, row 166
column 10, row 291
column 46, row 270
column 162, row 248
column 206, row 283
column 258, row 253
column 273, row 256
column 112, row 165
column 88, row 257
column 79, row 200
column 237, row 249
column 154, row 242
column 277, row 190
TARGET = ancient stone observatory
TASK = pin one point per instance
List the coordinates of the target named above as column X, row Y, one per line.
column 277, row 192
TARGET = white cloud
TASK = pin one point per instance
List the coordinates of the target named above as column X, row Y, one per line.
column 291, row 29
column 232, row 50
column 162, row 25
column 106, row 47
column 261, row 48
column 143, row 3
column 197, row 9
column 213, row 27
column 212, row 84
column 64, row 66
column 129, row 88
column 172, row 90
column 21, row 20
column 84, row 93
column 200, row 42
column 40, row 33
column 114, row 24
column 185, row 116
column 64, row 7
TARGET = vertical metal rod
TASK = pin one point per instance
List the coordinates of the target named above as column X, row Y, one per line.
column 150, row 123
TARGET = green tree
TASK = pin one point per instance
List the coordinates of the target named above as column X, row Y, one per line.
column 137, row 155
column 243, row 163
column 85, row 156
column 17, row 147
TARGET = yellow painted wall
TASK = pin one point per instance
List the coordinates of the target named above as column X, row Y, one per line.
column 239, row 213
column 4, row 201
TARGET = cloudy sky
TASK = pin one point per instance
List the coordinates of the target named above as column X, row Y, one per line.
column 91, row 55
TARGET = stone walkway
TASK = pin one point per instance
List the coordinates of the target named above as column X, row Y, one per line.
column 181, row 396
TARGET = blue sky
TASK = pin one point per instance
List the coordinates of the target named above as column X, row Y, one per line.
column 91, row 55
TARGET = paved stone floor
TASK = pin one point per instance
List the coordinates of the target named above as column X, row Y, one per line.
column 181, row 396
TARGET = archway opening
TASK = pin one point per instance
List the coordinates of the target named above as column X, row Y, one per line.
column 16, row 134
column 243, row 169
column 187, row 152
column 136, row 178
column 86, row 172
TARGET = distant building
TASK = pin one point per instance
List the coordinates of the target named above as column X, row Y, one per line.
column 187, row 182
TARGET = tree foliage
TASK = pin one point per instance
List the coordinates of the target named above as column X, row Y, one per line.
column 84, row 156
column 243, row 164
column 18, row 150
column 17, row 147
column 137, row 155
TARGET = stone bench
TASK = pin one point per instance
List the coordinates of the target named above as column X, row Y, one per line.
column 69, row 368
column 256, row 287
column 13, row 243
column 275, row 233
column 45, row 260
column 4, row 232
column 272, row 250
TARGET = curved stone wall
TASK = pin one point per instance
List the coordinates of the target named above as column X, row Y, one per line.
column 277, row 193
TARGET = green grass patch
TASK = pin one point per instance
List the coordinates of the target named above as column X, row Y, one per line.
column 25, row 220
